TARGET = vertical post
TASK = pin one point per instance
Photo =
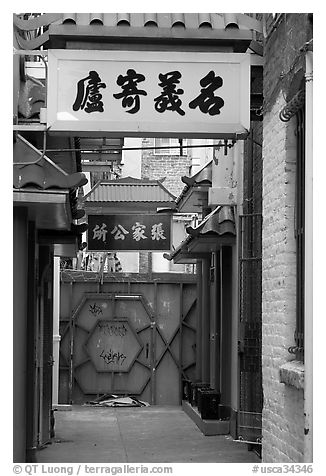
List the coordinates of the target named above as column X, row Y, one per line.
column 218, row 340
column 114, row 315
column 153, row 349
column 180, row 341
column 20, row 282
column 41, row 363
column 150, row 265
column 221, row 330
column 56, row 335
column 213, row 323
column 308, row 252
column 199, row 272
column 205, row 321
column 71, row 365
column 31, row 357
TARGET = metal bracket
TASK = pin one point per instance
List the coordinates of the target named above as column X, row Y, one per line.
column 226, row 146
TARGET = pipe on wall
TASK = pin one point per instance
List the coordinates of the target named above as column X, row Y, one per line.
column 199, row 272
column 308, row 292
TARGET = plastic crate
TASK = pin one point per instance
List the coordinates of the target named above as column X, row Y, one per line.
column 194, row 392
column 208, row 404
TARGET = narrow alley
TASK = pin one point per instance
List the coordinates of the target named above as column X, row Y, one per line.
column 162, row 239
column 133, row 435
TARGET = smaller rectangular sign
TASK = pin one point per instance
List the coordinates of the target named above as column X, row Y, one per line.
column 148, row 232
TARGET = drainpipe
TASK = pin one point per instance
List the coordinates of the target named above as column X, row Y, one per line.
column 308, row 292
column 56, row 335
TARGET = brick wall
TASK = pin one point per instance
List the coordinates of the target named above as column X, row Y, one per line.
column 155, row 167
column 283, row 419
column 173, row 167
column 283, row 411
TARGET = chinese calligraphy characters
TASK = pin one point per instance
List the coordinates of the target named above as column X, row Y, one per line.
column 139, row 231
column 168, row 99
column 206, row 101
column 99, row 233
column 130, row 93
column 129, row 232
column 119, row 232
column 157, row 232
column 89, row 98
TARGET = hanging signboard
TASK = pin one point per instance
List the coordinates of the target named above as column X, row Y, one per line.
column 149, row 94
column 148, row 232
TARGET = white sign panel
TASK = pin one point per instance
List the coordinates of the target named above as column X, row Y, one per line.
column 149, row 94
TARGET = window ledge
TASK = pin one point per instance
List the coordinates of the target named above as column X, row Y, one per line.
column 292, row 373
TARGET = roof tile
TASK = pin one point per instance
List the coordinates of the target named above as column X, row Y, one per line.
column 33, row 169
column 167, row 21
column 219, row 222
column 130, row 190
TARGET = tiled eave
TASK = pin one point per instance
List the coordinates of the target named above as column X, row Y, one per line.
column 210, row 243
column 182, row 255
column 219, row 222
column 129, row 194
column 216, row 230
column 238, row 41
column 194, row 199
column 233, row 30
column 49, row 193
column 195, row 192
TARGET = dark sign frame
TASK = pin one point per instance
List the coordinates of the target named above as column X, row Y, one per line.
column 129, row 232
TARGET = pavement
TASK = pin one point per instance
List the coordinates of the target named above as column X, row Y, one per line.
column 88, row 434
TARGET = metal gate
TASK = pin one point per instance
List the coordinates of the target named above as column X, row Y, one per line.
column 250, row 331
column 249, row 422
column 128, row 336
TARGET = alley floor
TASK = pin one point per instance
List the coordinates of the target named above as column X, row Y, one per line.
column 137, row 435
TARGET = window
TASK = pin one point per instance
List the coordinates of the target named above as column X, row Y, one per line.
column 171, row 146
column 295, row 109
column 300, row 233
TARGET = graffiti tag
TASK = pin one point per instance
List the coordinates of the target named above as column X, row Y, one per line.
column 95, row 309
column 111, row 357
column 112, row 329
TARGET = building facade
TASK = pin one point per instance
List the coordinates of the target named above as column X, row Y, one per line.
column 286, row 239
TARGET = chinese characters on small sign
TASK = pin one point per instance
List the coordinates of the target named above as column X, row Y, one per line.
column 169, row 99
column 151, row 232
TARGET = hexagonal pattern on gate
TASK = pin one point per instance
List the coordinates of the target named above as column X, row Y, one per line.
column 113, row 345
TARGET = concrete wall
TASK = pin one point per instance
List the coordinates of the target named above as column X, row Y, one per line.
column 131, row 159
column 283, row 412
